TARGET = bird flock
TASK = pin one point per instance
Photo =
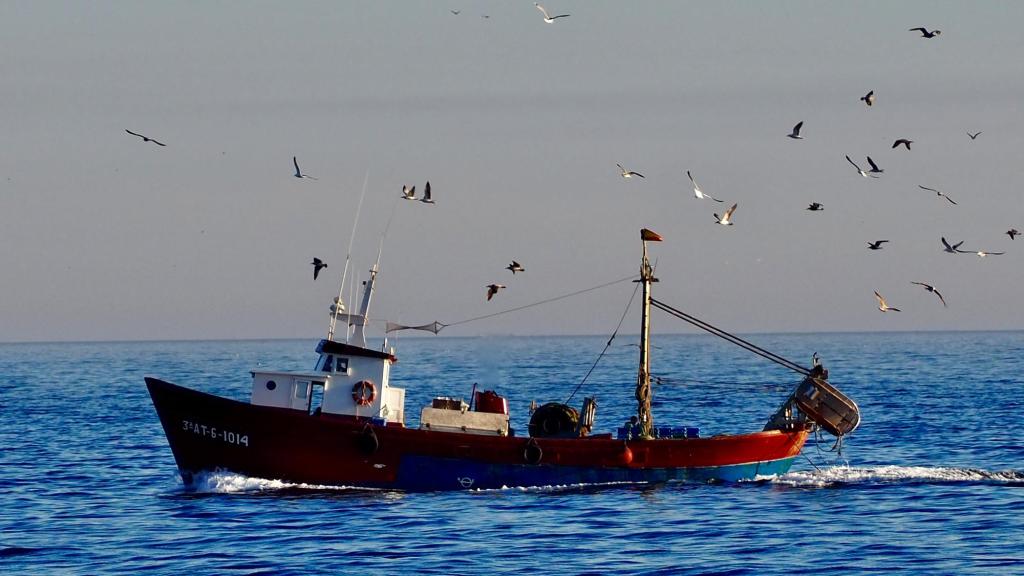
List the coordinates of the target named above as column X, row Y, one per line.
column 725, row 219
column 798, row 133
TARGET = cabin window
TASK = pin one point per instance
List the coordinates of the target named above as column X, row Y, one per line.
column 328, row 362
column 301, row 389
column 271, row 385
column 341, row 365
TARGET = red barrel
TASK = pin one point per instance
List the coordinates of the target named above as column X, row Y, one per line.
column 489, row 401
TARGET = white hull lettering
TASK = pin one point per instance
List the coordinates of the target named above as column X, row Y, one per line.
column 214, row 433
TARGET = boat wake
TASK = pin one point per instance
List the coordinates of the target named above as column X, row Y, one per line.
column 231, row 483
column 846, row 475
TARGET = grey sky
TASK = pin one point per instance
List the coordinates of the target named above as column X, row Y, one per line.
column 518, row 125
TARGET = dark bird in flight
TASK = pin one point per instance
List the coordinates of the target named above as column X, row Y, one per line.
column 628, row 173
column 869, row 98
column 903, row 141
column 951, row 201
column 815, row 206
column 298, row 173
column 408, row 193
column 876, row 245
column 931, row 289
column 456, row 12
column 874, row 167
column 954, row 249
column 859, row 171
column 492, row 289
column 427, row 198
column 974, row 136
column 882, row 305
column 515, row 267
column 547, row 17
column 318, row 264
column 145, row 138
column 1012, row 232
column 925, row 33
column 795, row 134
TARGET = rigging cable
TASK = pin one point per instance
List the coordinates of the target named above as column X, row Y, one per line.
column 348, row 258
column 606, row 346
column 548, row 301
column 749, row 346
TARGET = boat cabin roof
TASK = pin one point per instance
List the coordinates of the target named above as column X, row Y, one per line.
column 331, row 347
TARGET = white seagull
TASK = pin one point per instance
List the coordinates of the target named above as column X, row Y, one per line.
column 698, row 192
column 726, row 220
column 882, row 305
column 795, row 134
column 547, row 17
column 859, row 171
column 628, row 173
column 982, row 253
column 298, row 173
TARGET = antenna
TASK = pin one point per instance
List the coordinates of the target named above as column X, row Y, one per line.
column 348, row 258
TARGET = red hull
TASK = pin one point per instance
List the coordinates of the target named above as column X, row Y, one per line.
column 208, row 433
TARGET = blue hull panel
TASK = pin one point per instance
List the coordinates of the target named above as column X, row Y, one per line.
column 428, row 473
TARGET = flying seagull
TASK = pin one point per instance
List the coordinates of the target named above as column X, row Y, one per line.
column 931, row 289
column 859, row 171
column 955, row 248
column 882, row 304
column 874, row 167
column 815, row 206
column 698, row 192
column 795, row 134
column 492, row 289
column 983, row 254
column 317, row 265
column 726, row 220
column 951, row 201
column 903, row 141
column 408, row 193
column 925, row 33
column 298, row 173
column 427, row 198
column 876, row 245
column 869, row 98
column 515, row 267
column 455, row 12
column 975, row 135
column 628, row 173
column 145, row 138
column 547, row 17
column 1012, row 232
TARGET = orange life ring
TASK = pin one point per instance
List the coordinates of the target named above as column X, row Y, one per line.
column 364, row 392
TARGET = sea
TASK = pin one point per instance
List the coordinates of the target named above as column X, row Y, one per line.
column 932, row 482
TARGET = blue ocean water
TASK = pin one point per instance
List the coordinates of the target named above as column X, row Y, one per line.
column 931, row 483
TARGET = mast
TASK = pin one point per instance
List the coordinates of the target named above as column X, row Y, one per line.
column 643, row 376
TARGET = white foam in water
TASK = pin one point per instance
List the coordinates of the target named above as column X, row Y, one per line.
column 230, row 483
column 852, row 475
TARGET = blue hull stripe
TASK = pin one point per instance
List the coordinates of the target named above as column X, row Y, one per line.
column 430, row 473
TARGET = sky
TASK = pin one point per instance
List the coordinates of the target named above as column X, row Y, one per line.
column 518, row 125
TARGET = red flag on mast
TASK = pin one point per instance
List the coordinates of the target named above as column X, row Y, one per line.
column 649, row 235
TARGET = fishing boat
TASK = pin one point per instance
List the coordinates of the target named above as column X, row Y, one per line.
column 357, row 433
